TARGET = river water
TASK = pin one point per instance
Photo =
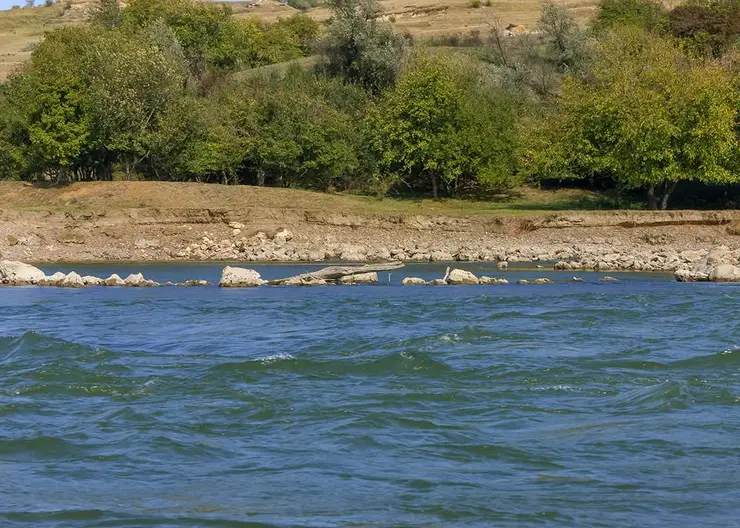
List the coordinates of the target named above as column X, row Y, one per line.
column 570, row 404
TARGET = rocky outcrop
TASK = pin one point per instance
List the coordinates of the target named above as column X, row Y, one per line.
column 458, row 276
column 360, row 278
column 492, row 280
column 413, row 281
column 239, row 278
column 114, row 280
column 717, row 265
column 137, row 280
column 14, row 273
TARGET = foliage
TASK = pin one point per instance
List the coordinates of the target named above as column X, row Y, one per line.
column 646, row 14
column 648, row 118
column 710, row 28
column 441, row 128
column 361, row 48
column 106, row 13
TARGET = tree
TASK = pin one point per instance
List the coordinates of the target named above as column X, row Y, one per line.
column 645, row 14
column 361, row 48
column 106, row 13
column 442, row 128
column 649, row 117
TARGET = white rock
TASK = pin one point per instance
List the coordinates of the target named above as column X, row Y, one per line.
column 89, row 280
column 57, row 279
column 725, row 273
column 492, row 280
column 239, row 278
column 137, row 280
column 458, row 276
column 114, row 280
column 236, row 225
column 413, row 281
column 19, row 273
column 73, row 280
column 283, row 236
column 360, row 278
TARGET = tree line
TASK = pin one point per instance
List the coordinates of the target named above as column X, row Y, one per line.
column 643, row 98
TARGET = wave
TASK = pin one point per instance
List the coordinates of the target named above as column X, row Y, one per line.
column 31, row 343
column 664, row 396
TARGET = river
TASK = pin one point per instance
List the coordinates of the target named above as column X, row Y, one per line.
column 568, row 404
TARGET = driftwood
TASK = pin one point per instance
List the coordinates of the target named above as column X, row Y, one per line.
column 334, row 273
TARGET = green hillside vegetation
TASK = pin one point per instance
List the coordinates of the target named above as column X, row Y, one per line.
column 641, row 100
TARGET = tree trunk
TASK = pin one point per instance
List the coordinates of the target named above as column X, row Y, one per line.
column 652, row 200
column 435, row 190
column 337, row 272
column 667, row 191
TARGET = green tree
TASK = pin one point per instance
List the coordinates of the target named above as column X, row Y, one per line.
column 646, row 14
column 106, row 13
column 441, row 128
column 648, row 118
column 361, row 48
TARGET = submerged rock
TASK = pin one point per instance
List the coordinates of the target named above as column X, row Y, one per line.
column 239, row 278
column 191, row 283
column 607, row 278
column 458, row 276
column 542, row 280
column 492, row 280
column 16, row 273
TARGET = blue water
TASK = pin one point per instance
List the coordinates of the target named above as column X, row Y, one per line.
column 570, row 404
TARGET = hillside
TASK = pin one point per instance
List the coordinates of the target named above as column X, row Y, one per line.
column 20, row 29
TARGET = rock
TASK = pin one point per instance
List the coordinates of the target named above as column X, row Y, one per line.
column 458, row 276
column 607, row 278
column 492, row 280
column 719, row 255
column 563, row 265
column 282, row 236
column 303, row 281
column 12, row 241
column 353, row 253
column 19, row 273
column 413, row 281
column 236, row 232
column 168, row 284
column 143, row 243
column 73, row 280
column 522, row 281
column 137, row 280
column 437, row 282
column 239, row 278
column 114, row 280
column 502, row 265
column 725, row 273
column 577, row 279
column 68, row 236
column 89, row 280
column 56, row 279
column 379, row 254
column 360, row 278
column 690, row 275
column 193, row 282
column 733, row 229
column 441, row 256
column 542, row 280
column 236, row 225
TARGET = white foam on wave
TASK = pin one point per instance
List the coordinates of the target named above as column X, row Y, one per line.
column 274, row 358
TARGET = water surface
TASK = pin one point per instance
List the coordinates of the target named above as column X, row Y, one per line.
column 571, row 404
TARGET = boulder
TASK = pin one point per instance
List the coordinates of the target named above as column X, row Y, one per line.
column 360, row 278
column 413, row 281
column 239, row 278
column 89, row 280
column 691, row 275
column 522, row 281
column 725, row 273
column 458, row 276
column 577, row 279
column 437, row 282
column 73, row 280
column 441, row 256
column 542, row 280
column 607, row 278
column 492, row 280
column 114, row 280
column 502, row 265
column 57, row 279
column 353, row 253
column 283, row 236
column 19, row 273
column 137, row 280
column 236, row 225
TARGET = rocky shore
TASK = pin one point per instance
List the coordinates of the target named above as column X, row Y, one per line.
column 664, row 241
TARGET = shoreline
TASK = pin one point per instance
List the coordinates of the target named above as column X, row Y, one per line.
column 116, row 222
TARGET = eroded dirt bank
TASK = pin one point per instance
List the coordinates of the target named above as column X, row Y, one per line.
column 104, row 222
